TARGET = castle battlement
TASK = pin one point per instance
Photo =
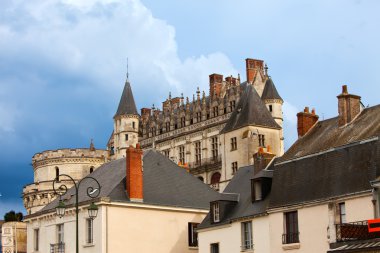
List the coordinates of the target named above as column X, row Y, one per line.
column 69, row 153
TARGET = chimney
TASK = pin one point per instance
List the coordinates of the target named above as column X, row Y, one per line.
column 348, row 106
column 262, row 159
column 216, row 82
column 305, row 120
column 134, row 183
column 253, row 66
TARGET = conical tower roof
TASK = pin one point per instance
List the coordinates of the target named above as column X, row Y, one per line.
column 127, row 104
column 250, row 111
column 270, row 91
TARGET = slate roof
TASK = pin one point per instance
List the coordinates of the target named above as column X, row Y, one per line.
column 239, row 185
column 127, row 102
column 327, row 134
column 338, row 172
column 366, row 246
column 250, row 110
column 270, row 91
column 165, row 184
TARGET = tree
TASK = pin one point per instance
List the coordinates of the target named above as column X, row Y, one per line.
column 13, row 216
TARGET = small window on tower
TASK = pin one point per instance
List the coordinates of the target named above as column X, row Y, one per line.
column 134, row 125
column 126, row 137
column 270, row 108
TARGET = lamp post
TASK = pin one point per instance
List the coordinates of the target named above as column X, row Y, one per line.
column 92, row 192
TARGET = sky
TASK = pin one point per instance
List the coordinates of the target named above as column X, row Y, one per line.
column 63, row 63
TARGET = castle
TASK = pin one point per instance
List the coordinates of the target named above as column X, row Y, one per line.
column 211, row 136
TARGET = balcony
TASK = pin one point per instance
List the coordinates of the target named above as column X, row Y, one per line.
column 290, row 238
column 354, row 231
column 57, row 248
column 207, row 164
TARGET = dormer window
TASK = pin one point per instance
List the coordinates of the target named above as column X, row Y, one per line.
column 215, row 212
column 256, row 190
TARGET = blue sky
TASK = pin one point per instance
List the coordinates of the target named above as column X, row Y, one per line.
column 63, row 63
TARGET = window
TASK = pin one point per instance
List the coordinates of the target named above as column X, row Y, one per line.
column 198, row 152
column 153, row 129
column 60, row 233
column 126, row 137
column 256, row 191
column 199, row 116
column 215, row 212
column 270, row 108
column 167, row 152
column 215, row 179
column 214, row 147
column 233, row 144
column 193, row 235
column 183, row 122
column 234, row 167
column 261, row 140
column 291, row 228
column 214, row 247
column 91, row 169
column 232, row 105
column 201, row 178
column 167, row 126
column 112, row 150
column 342, row 213
column 246, row 235
column 182, row 154
column 57, row 173
column 215, row 111
column 134, row 125
column 36, row 239
column 89, row 231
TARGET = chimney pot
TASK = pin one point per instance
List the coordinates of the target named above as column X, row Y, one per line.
column 305, row 121
column 306, row 109
column 344, row 89
column 313, row 111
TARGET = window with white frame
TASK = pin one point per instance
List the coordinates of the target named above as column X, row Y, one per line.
column 193, row 235
column 342, row 213
column 215, row 212
column 256, row 190
column 214, row 247
column 60, row 233
column 89, row 231
column 36, row 240
column 167, row 152
column 246, row 235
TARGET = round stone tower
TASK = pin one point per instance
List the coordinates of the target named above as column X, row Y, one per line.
column 47, row 165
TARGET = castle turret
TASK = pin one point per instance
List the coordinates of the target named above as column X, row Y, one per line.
column 273, row 101
column 126, row 123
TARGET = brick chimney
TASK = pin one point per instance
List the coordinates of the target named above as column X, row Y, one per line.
column 253, row 66
column 262, row 159
column 134, row 173
column 348, row 106
column 216, row 83
column 145, row 113
column 305, row 120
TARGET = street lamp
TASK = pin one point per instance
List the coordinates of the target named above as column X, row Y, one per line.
column 91, row 192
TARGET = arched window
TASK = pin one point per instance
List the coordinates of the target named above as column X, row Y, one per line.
column 91, row 169
column 201, row 178
column 215, row 178
column 57, row 173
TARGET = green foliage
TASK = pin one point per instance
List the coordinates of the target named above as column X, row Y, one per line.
column 13, row 216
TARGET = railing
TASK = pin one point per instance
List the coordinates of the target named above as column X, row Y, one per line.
column 57, row 248
column 206, row 164
column 247, row 246
column 290, row 238
column 354, row 231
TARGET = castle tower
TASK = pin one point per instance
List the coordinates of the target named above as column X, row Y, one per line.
column 273, row 102
column 126, row 124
